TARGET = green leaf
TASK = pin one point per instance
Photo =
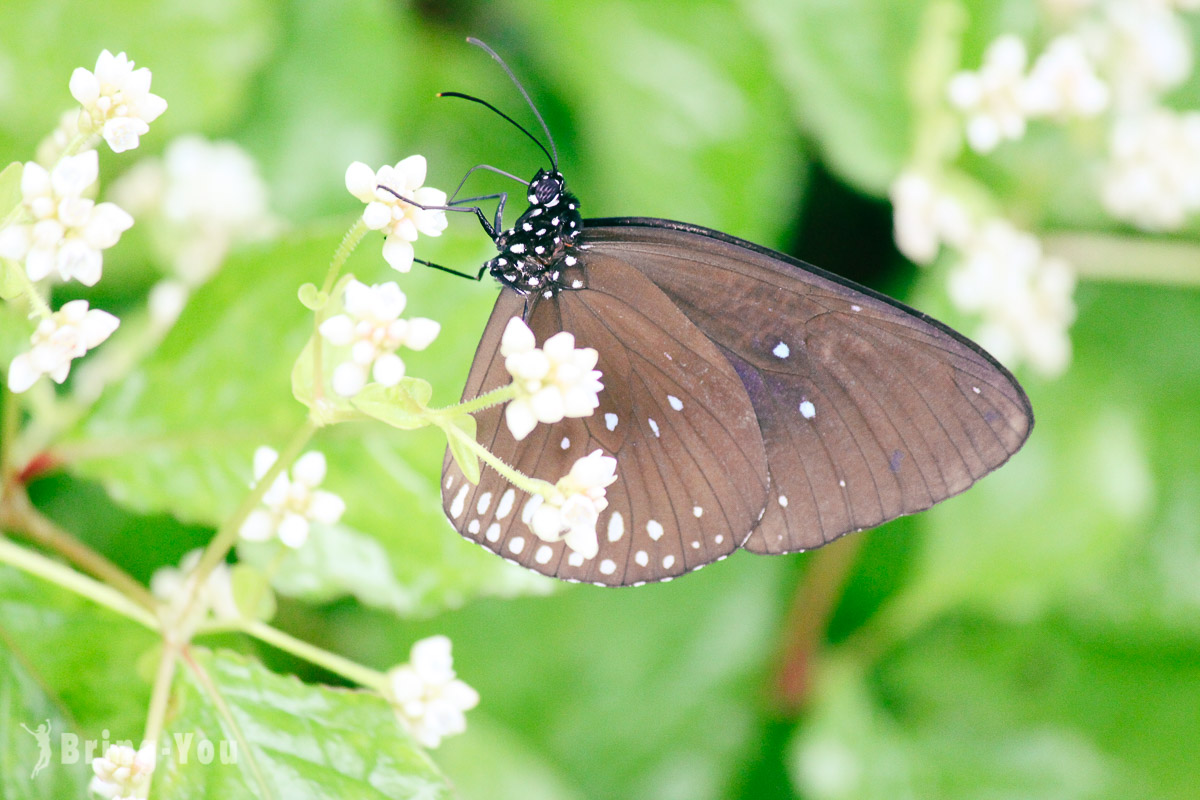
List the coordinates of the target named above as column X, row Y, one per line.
column 846, row 63
column 312, row 298
column 490, row 762
column 403, row 406
column 464, row 456
column 284, row 739
column 83, row 656
column 252, row 592
column 10, row 188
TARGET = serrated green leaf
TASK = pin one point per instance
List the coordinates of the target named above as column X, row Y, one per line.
column 77, row 652
column 311, row 297
column 285, row 739
column 403, row 406
column 252, row 592
column 10, row 188
column 464, row 456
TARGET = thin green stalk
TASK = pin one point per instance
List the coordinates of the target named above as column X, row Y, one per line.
column 227, row 535
column 40, row 566
column 339, row 665
column 159, row 696
column 350, row 241
column 518, row 479
column 484, row 401
column 29, row 289
column 1141, row 259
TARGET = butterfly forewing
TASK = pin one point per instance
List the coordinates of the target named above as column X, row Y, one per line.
column 692, row 470
column 868, row 409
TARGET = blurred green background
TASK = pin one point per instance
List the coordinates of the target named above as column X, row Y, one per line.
column 1037, row 637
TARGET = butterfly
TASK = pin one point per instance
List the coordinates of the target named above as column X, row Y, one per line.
column 751, row 401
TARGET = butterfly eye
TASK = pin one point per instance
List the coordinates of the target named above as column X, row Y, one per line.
column 547, row 189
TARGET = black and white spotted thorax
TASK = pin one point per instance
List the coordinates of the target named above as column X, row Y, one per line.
column 537, row 250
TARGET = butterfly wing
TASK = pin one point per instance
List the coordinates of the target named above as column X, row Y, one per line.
column 692, row 471
column 868, row 409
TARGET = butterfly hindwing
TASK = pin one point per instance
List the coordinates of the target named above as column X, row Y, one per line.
column 868, row 409
column 691, row 475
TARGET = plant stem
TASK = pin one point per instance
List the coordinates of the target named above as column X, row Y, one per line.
column 227, row 535
column 159, row 696
column 518, row 479
column 1141, row 259
column 484, row 401
column 36, row 564
column 350, row 241
column 808, row 619
column 18, row 516
column 29, row 289
column 339, row 665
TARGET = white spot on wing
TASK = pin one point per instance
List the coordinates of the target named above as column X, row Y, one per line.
column 575, row 559
column 856, row 308
column 516, row 544
column 675, row 402
column 608, row 566
column 807, row 409
column 566, row 443
column 842, row 483
column 782, row 350
column 719, row 538
column 668, row 561
column 697, row 511
column 655, row 529
column 616, row 527
column 975, row 389
column 456, row 507
column 531, row 505
column 493, row 532
column 506, row 503
column 485, row 500
column 543, row 554
column 610, row 421
column 653, row 426
column 473, row 527
column 783, row 500
column 641, row 558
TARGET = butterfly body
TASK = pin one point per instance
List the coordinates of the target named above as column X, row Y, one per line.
column 751, row 400
column 532, row 252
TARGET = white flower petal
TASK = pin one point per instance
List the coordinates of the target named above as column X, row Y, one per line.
column 349, row 379
column 293, row 530
column 22, row 374
column 326, row 507
column 421, row 333
column 388, row 369
column 520, row 418
column 583, row 541
column 411, row 172
column 546, row 522
column 398, row 253
column 360, row 181
column 74, row 174
column 84, row 86
column 97, row 326
column 338, row 330
column 309, row 468
column 264, row 459
column 377, row 215
column 258, row 526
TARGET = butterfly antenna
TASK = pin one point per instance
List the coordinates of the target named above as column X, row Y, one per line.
column 516, row 124
column 525, row 94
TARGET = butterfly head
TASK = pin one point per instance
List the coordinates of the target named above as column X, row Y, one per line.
column 547, row 188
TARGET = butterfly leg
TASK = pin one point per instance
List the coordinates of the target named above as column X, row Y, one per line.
column 466, row 275
column 492, row 230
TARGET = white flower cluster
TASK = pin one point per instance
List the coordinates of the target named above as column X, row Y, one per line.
column 292, row 505
column 570, row 513
column 556, row 381
column 211, row 198
column 116, row 100
column 1146, row 46
column 999, row 98
column 1153, row 175
column 925, row 218
column 373, row 330
column 427, row 696
column 174, row 584
column 390, row 211
column 60, row 338
column 63, row 231
column 123, row 773
column 1023, row 296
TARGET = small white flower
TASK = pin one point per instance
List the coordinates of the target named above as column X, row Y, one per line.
column 1153, row 175
column 204, row 197
column 400, row 221
column 571, row 511
column 427, row 696
column 123, row 772
column 1063, row 82
column 173, row 584
column 1144, row 47
column 1024, row 298
column 65, row 335
column 116, row 100
column 994, row 97
column 292, row 505
column 64, row 231
column 553, row 382
column 925, row 218
column 373, row 330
